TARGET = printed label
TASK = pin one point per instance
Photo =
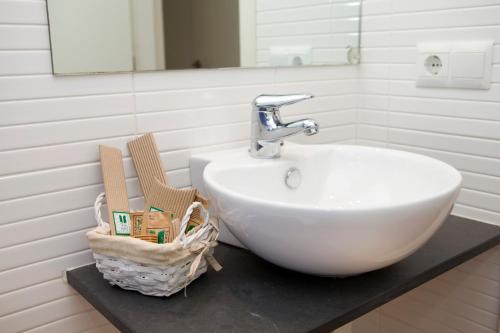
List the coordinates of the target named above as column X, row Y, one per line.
column 122, row 223
column 161, row 235
column 155, row 209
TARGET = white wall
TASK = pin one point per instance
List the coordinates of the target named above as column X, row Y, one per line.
column 461, row 127
column 49, row 171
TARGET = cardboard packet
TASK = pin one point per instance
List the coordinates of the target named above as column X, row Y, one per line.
column 147, row 162
column 196, row 219
column 167, row 198
column 192, row 224
column 147, row 238
column 159, row 225
column 137, row 225
column 122, row 225
column 116, row 191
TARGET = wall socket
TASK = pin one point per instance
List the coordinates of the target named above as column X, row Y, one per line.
column 434, row 65
column 465, row 65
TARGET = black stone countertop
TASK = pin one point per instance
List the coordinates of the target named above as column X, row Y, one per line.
column 251, row 295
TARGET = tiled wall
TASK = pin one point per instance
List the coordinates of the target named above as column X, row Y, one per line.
column 461, row 127
column 326, row 26
column 49, row 131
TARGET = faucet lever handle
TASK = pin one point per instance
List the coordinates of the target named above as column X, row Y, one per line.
column 274, row 102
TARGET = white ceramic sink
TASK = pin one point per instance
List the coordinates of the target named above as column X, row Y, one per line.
column 356, row 208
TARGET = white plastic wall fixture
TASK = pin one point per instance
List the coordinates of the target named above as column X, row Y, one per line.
column 465, row 65
column 290, row 55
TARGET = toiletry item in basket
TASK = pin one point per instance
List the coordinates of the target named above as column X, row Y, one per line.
column 116, row 191
column 159, row 224
column 167, row 198
column 122, row 223
column 147, row 162
column 137, row 218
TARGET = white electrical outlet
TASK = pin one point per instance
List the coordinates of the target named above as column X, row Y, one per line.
column 455, row 64
column 434, row 65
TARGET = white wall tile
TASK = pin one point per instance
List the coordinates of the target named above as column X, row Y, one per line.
column 463, row 17
column 446, row 107
column 486, row 129
column 34, row 135
column 32, row 296
column 433, row 5
column 25, row 62
column 23, row 11
column 40, row 158
column 448, row 143
column 85, row 321
column 22, row 37
column 43, row 314
column 42, row 86
column 57, row 109
column 25, row 276
column 204, row 78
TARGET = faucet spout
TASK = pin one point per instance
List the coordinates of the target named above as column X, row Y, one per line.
column 306, row 126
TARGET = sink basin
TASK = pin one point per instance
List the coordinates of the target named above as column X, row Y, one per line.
column 332, row 210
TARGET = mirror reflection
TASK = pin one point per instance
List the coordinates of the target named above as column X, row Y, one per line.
column 94, row 36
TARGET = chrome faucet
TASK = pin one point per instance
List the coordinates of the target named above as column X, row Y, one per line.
column 267, row 128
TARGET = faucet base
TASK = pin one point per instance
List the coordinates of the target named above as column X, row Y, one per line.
column 265, row 149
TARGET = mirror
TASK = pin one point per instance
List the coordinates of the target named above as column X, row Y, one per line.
column 95, row 36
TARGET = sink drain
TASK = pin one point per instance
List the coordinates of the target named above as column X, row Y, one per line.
column 293, row 178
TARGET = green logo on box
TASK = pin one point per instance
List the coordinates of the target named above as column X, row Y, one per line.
column 122, row 223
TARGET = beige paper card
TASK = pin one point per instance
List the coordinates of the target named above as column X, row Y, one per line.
column 150, row 169
column 116, row 190
column 160, row 224
column 147, row 162
column 169, row 199
column 137, row 225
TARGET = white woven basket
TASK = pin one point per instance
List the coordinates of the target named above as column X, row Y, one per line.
column 154, row 269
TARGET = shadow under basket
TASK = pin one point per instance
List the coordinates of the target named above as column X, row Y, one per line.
column 154, row 269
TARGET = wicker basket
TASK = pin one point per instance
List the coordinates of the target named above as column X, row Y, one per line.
column 154, row 269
